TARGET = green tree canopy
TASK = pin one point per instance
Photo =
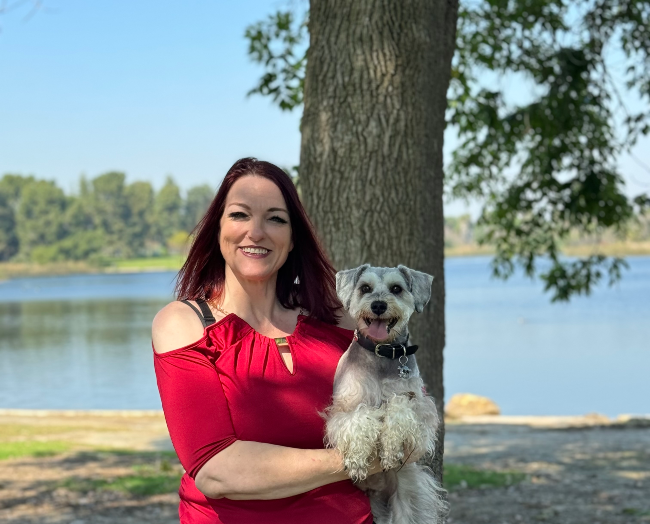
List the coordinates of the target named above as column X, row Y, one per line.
column 8, row 238
column 167, row 209
column 140, row 199
column 105, row 218
column 197, row 201
column 40, row 214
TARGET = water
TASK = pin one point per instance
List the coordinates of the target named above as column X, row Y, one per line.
column 84, row 342
column 508, row 342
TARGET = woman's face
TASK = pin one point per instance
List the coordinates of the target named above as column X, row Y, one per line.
column 255, row 237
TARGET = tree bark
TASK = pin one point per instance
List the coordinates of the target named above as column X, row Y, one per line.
column 371, row 165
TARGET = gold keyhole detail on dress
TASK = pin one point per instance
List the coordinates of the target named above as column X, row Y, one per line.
column 285, row 353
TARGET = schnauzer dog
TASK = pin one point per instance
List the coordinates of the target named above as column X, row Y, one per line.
column 379, row 407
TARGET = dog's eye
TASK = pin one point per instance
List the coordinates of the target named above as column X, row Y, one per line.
column 396, row 290
column 365, row 288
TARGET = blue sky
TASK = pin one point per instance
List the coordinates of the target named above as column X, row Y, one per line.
column 151, row 88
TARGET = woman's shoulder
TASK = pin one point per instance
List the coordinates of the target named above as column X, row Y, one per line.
column 177, row 325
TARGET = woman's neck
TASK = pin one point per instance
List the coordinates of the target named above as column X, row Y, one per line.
column 254, row 300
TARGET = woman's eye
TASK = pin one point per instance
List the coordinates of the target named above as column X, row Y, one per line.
column 396, row 290
column 365, row 288
column 235, row 215
column 279, row 220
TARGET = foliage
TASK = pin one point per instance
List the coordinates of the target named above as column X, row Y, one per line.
column 196, row 204
column 275, row 42
column 167, row 210
column 542, row 167
column 461, row 477
column 140, row 221
column 81, row 245
column 8, row 237
column 179, row 243
column 39, row 217
column 106, row 219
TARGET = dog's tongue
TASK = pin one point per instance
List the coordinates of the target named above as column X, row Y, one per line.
column 377, row 330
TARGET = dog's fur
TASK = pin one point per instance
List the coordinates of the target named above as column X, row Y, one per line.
column 374, row 411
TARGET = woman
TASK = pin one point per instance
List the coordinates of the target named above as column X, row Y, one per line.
column 243, row 380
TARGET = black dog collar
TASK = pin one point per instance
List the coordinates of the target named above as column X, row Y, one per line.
column 391, row 351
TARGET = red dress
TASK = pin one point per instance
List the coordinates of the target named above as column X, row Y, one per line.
column 232, row 384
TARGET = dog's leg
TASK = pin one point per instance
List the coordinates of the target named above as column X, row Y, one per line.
column 354, row 419
column 354, row 434
column 400, row 430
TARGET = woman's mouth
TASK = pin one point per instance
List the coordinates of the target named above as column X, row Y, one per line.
column 255, row 252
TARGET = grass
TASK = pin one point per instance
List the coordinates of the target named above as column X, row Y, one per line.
column 461, row 477
column 145, row 481
column 171, row 263
column 31, row 269
column 31, row 448
column 636, row 512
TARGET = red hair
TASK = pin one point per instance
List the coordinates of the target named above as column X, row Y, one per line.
column 307, row 279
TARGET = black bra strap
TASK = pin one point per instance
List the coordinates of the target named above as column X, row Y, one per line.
column 198, row 313
column 206, row 318
column 207, row 313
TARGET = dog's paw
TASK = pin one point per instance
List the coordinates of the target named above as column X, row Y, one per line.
column 391, row 455
column 356, row 470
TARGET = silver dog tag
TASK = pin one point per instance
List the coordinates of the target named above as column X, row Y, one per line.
column 403, row 370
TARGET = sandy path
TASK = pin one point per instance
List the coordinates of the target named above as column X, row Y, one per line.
column 576, row 475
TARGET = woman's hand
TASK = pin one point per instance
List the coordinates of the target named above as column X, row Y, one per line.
column 410, row 457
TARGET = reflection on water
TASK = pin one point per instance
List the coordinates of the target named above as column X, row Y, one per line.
column 77, row 354
column 62, row 349
column 116, row 325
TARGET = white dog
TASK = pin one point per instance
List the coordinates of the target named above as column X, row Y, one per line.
column 379, row 406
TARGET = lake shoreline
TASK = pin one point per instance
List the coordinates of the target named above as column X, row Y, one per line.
column 536, row 421
column 11, row 270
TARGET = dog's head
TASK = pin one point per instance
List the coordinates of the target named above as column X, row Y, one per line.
column 382, row 299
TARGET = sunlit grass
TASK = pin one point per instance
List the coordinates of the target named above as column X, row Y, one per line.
column 145, row 481
column 31, row 448
column 171, row 263
column 460, row 477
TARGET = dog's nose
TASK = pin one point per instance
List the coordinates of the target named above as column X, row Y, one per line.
column 379, row 307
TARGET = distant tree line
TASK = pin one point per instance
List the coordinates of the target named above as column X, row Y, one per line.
column 107, row 218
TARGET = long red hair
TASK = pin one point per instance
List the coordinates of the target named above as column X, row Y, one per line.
column 307, row 279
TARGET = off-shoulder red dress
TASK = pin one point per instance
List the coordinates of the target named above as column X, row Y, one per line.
column 232, row 384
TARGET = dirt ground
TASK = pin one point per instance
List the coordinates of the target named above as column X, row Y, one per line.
column 577, row 472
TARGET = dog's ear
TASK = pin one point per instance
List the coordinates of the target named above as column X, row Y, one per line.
column 345, row 282
column 419, row 285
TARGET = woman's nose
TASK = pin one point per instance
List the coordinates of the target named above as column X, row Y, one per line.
column 256, row 232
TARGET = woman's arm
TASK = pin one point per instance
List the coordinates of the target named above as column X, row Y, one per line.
column 253, row 470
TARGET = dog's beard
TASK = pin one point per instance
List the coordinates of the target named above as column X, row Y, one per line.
column 378, row 329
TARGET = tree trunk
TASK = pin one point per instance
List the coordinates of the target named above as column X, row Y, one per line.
column 371, row 153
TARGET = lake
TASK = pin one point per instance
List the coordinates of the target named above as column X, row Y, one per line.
column 83, row 342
